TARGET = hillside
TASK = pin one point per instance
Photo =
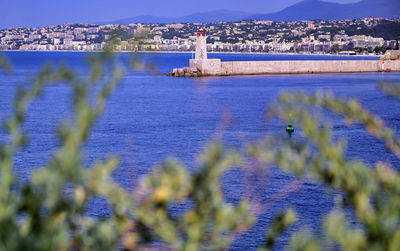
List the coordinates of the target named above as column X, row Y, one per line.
column 316, row 9
column 201, row 17
column 305, row 10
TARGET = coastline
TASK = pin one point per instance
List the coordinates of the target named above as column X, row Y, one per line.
column 192, row 52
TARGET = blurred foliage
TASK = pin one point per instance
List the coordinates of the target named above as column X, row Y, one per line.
column 4, row 64
column 390, row 89
column 210, row 222
column 281, row 223
column 372, row 192
column 49, row 212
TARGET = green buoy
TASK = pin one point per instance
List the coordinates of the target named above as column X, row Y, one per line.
column 289, row 128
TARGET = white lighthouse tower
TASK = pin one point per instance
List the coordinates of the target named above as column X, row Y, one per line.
column 201, row 45
column 201, row 63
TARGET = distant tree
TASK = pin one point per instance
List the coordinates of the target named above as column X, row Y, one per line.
column 358, row 49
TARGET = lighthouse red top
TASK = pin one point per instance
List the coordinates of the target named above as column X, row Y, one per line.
column 201, row 33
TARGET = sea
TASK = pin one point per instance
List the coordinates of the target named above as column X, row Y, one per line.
column 150, row 118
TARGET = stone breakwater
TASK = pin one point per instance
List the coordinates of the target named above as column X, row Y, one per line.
column 390, row 62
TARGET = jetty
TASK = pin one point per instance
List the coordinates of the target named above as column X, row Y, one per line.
column 202, row 66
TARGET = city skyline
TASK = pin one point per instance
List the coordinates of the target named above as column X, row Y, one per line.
column 26, row 13
column 362, row 36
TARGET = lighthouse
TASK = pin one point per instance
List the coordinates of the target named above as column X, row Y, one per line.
column 201, row 45
column 201, row 65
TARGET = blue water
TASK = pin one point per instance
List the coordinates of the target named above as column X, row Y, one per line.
column 151, row 117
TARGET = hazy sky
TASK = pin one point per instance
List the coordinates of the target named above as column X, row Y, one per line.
column 48, row 12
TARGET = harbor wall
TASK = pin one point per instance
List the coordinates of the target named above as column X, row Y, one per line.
column 206, row 66
column 306, row 67
column 390, row 62
column 392, row 65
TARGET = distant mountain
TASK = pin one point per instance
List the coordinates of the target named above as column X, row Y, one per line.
column 201, row 17
column 316, row 9
column 143, row 19
column 305, row 10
